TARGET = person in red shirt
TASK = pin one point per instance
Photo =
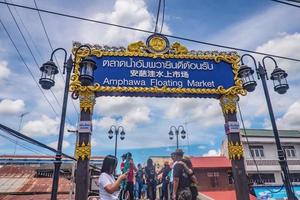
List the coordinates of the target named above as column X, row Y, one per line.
column 130, row 176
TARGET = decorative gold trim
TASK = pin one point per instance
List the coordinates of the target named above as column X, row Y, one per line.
column 179, row 49
column 87, row 100
column 83, row 151
column 139, row 49
column 235, row 150
column 228, row 103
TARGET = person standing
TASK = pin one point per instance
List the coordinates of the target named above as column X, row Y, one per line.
column 150, row 175
column 165, row 180
column 108, row 186
column 130, row 169
column 188, row 167
column 139, row 179
column 181, row 179
column 171, row 173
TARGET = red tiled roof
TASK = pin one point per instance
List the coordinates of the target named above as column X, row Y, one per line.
column 224, row 195
column 211, row 162
column 24, row 184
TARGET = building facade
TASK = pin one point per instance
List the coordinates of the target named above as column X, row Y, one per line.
column 261, row 160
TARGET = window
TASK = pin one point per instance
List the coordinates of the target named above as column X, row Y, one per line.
column 295, row 177
column 261, row 178
column 214, row 179
column 257, row 151
column 290, row 151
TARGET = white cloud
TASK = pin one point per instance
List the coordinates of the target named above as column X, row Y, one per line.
column 206, row 111
column 4, row 70
column 8, row 106
column 65, row 145
column 291, row 119
column 105, row 122
column 125, row 111
column 287, row 45
column 213, row 152
column 132, row 13
column 41, row 127
column 256, row 29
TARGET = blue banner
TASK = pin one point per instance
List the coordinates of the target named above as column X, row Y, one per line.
column 274, row 192
column 172, row 73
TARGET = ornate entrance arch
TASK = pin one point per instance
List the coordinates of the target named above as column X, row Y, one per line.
column 158, row 69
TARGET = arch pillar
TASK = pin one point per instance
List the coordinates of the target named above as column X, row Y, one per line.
column 83, row 146
column 235, row 148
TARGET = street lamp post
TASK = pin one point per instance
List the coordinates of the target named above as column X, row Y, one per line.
column 116, row 130
column 280, row 86
column 49, row 70
column 176, row 130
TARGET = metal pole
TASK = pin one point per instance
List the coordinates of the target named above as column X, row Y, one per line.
column 57, row 162
column 280, row 151
column 116, row 142
column 20, row 124
column 177, row 142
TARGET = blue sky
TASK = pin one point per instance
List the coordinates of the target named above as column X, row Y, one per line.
column 260, row 25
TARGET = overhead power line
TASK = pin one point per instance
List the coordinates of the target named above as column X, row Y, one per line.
column 30, row 72
column 163, row 16
column 31, row 52
column 50, row 44
column 286, row 3
column 35, row 142
column 146, row 31
column 157, row 16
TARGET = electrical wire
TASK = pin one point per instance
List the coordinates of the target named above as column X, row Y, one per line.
column 146, row 31
column 30, row 72
column 28, row 33
column 163, row 16
column 26, row 43
column 22, row 145
column 157, row 16
column 34, row 58
column 286, row 3
column 36, row 143
column 252, row 155
column 50, row 44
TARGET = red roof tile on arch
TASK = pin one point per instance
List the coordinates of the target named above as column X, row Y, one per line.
column 211, row 162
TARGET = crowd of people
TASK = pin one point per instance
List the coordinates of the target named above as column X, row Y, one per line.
column 177, row 179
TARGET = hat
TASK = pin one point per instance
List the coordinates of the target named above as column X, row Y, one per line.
column 178, row 152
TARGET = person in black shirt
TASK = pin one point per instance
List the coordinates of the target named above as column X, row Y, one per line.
column 165, row 180
column 181, row 183
column 139, row 177
column 150, row 179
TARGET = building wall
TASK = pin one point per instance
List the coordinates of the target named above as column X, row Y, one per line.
column 205, row 182
column 269, row 163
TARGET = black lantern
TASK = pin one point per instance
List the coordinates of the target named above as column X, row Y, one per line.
column 49, row 70
column 171, row 135
column 110, row 134
column 279, row 80
column 87, row 67
column 122, row 135
column 246, row 74
column 183, row 134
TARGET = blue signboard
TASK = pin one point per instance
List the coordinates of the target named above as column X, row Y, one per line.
column 156, row 69
column 173, row 73
column 274, row 192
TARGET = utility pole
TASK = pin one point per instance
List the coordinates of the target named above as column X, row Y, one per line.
column 20, row 125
